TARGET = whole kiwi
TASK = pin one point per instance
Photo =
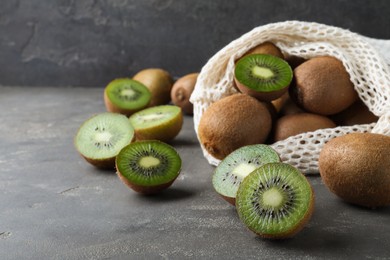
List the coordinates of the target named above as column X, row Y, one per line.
column 233, row 122
column 182, row 90
column 356, row 167
column 266, row 48
column 159, row 82
column 295, row 124
column 322, row 86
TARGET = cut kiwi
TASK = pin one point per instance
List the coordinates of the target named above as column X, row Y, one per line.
column 157, row 123
column 275, row 200
column 237, row 165
column 263, row 76
column 126, row 96
column 148, row 166
column 100, row 138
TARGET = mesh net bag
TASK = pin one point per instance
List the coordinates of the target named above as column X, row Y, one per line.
column 366, row 60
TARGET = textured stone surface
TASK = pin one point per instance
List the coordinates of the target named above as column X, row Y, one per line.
column 90, row 42
column 53, row 205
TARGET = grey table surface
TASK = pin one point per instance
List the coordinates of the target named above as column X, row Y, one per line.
column 53, row 205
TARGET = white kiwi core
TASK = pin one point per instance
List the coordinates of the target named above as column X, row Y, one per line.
column 262, row 72
column 272, row 198
column 243, row 169
column 149, row 161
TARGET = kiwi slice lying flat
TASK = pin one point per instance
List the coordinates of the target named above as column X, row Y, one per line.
column 157, row 123
column 275, row 200
column 101, row 137
column 265, row 77
column 126, row 96
column 237, row 165
column 148, row 166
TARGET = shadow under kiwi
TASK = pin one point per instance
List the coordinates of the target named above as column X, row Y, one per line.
column 169, row 194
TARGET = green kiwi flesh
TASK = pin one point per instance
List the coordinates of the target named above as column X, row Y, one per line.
column 148, row 166
column 275, row 200
column 157, row 123
column 126, row 96
column 265, row 77
column 101, row 137
column 237, row 165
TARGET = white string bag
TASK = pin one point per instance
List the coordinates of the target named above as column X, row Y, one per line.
column 366, row 60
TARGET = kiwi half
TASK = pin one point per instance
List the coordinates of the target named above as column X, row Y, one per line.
column 157, row 123
column 126, row 96
column 265, row 77
column 101, row 137
column 237, row 165
column 275, row 200
column 148, row 166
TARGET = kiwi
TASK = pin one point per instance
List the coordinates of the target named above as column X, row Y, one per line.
column 159, row 82
column 322, row 86
column 148, row 166
column 157, row 123
column 182, row 90
column 357, row 114
column 101, row 137
column 295, row 124
column 356, row 167
column 275, row 201
column 233, row 122
column 262, row 76
column 237, row 165
column 295, row 61
column 266, row 48
column 126, row 96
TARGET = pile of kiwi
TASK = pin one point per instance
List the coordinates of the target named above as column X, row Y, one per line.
column 300, row 96
column 132, row 135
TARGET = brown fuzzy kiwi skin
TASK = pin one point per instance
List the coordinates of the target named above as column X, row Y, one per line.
column 159, row 82
column 322, row 86
column 297, row 228
column 164, row 132
column 146, row 190
column 295, row 61
column 233, row 122
column 182, row 90
column 111, row 107
column 357, row 114
column 266, row 48
column 295, row 124
column 356, row 167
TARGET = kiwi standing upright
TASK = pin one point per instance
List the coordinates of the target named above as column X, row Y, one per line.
column 262, row 76
column 322, row 86
column 356, row 167
column 233, row 122
column 182, row 90
column 159, row 82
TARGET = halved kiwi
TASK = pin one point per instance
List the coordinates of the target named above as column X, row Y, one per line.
column 265, row 77
column 275, row 200
column 157, row 123
column 126, row 96
column 237, row 165
column 101, row 137
column 148, row 166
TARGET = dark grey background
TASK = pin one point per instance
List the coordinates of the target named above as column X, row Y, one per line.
column 90, row 42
